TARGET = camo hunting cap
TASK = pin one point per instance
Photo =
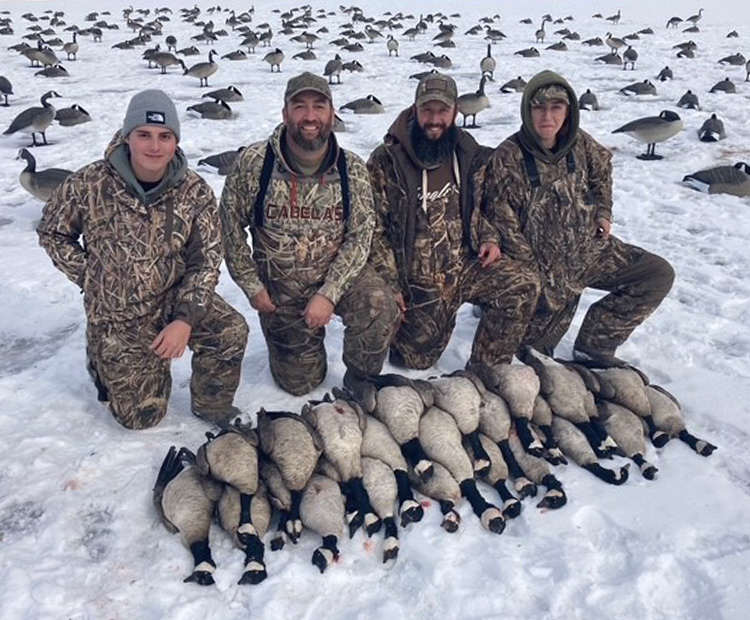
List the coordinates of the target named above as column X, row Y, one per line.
column 554, row 92
column 436, row 87
column 304, row 82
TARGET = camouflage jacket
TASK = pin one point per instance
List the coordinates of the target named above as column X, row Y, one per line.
column 139, row 251
column 304, row 236
column 396, row 178
column 554, row 225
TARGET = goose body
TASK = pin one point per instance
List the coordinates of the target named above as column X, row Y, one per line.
column 275, row 58
column 185, row 500
column 53, row 71
column 653, row 129
column 668, row 418
column 166, row 59
column 488, row 64
column 6, row 88
column 588, row 101
column 540, row 33
column 333, row 68
column 614, row 43
column 71, row 48
column 443, row 487
column 639, row 88
column 712, row 130
column 35, row 120
column 689, row 101
column 724, row 86
column 516, row 85
column 214, row 110
column 221, row 161
column 380, row 483
column 366, row 105
column 203, row 70
column 613, row 58
column 665, row 74
column 626, row 429
column 536, row 472
column 497, row 476
column 560, row 46
column 471, row 104
column 392, row 45
column 322, row 510
column 735, row 60
column 40, row 184
column 629, row 56
column 529, row 52
column 733, row 180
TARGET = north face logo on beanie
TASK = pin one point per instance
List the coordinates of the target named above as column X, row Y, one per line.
column 156, row 118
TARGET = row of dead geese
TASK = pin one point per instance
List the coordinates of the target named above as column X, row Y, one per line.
column 348, row 463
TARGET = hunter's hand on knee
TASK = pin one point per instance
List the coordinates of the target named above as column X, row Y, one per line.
column 172, row 340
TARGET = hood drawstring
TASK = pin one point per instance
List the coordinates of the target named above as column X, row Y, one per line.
column 456, row 176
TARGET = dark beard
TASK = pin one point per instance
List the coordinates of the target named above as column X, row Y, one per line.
column 310, row 145
column 433, row 152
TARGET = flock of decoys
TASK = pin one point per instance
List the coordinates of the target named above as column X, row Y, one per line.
column 297, row 25
column 349, row 462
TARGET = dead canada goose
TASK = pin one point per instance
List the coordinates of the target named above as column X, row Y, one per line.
column 35, row 120
column 204, row 70
column 379, row 481
column 639, row 88
column 471, row 104
column 74, row 115
column 712, row 130
column 71, row 48
column 184, row 500
column 588, row 101
column 689, row 101
column 42, row 183
column 665, row 74
column 529, row 52
column 724, row 86
column 217, row 110
column 322, row 510
column 652, row 130
column 629, row 56
column 221, row 161
column 367, row 105
column 487, row 64
column 392, row 45
column 6, row 88
column 516, row 85
column 333, row 67
column 734, row 180
column 626, row 429
column 274, row 58
column 166, row 59
column 669, row 419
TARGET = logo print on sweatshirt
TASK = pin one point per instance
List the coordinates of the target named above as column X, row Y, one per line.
column 155, row 118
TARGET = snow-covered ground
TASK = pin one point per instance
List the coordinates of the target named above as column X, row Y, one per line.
column 79, row 538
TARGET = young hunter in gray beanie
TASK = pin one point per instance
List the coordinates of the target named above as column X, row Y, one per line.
column 151, row 107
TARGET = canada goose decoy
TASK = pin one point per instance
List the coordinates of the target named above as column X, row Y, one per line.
column 615, row 19
column 488, row 64
column 733, row 34
column 228, row 94
column 235, row 55
column 392, row 45
column 275, row 58
column 639, row 88
column 366, row 105
column 652, row 130
column 588, row 101
column 35, row 120
column 353, row 66
column 166, row 59
column 613, row 58
column 614, row 43
column 171, row 42
column 557, row 47
column 221, row 161
column 185, row 500
column 471, row 104
column 724, row 86
column 673, row 22
column 6, row 88
column 734, row 180
column 712, row 130
column 74, row 115
column 189, row 51
column 529, row 52
column 596, row 41
column 629, row 56
column 333, row 68
column 215, row 110
column 735, row 60
column 493, row 35
column 71, row 48
column 694, row 19
column 689, row 101
column 355, row 47
column 665, row 74
column 53, row 72
column 540, row 33
column 442, row 62
column 305, row 55
column 40, row 184
column 203, row 70
column 516, row 85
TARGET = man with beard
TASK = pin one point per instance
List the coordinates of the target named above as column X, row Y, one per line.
column 308, row 205
column 434, row 249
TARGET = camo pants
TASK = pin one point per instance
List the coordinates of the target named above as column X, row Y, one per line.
column 507, row 293
column 637, row 282
column 297, row 353
column 137, row 383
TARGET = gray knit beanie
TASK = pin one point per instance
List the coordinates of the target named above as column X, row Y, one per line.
column 151, row 107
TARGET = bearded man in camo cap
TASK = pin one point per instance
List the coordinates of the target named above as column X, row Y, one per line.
column 548, row 191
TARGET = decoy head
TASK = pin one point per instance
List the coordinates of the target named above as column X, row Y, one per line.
column 670, row 116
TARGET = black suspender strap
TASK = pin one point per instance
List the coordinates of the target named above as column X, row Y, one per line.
column 570, row 158
column 344, row 177
column 265, row 177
